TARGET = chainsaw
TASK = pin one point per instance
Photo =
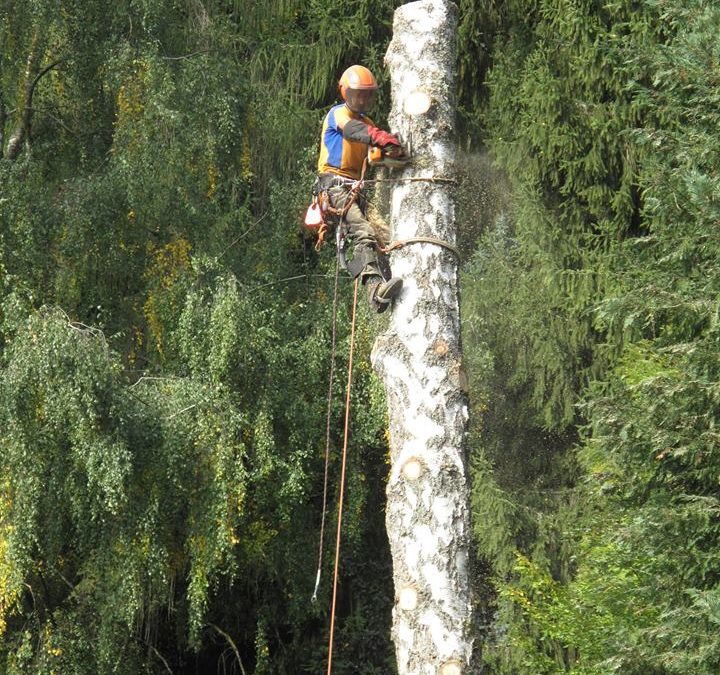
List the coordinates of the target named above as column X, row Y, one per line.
column 391, row 156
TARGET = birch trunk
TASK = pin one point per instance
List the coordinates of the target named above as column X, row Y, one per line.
column 419, row 360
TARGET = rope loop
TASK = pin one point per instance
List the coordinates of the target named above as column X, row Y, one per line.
column 395, row 245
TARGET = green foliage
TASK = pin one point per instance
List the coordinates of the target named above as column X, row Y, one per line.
column 656, row 420
column 598, row 297
column 162, row 433
column 115, row 493
column 162, row 483
column 559, row 114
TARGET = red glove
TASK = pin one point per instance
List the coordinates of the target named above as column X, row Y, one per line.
column 381, row 138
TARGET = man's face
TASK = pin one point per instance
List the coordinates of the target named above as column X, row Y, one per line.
column 360, row 100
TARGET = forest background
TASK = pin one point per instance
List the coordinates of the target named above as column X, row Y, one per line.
column 164, row 337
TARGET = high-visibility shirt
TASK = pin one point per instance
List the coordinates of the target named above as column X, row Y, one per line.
column 343, row 150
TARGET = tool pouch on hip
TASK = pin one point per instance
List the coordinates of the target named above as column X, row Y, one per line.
column 315, row 221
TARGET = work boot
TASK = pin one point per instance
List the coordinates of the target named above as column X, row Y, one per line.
column 381, row 293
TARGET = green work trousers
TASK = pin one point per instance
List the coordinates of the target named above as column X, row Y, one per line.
column 359, row 232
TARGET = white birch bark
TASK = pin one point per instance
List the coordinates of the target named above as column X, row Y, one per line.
column 419, row 360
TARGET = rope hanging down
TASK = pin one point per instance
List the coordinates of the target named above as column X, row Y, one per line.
column 355, row 190
column 340, row 213
column 327, row 428
column 342, row 480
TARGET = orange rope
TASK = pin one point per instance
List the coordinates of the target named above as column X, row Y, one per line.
column 342, row 480
column 327, row 427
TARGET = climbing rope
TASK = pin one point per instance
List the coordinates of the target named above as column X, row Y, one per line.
column 341, row 213
column 420, row 240
column 417, row 240
column 342, row 479
column 327, row 428
column 414, row 179
column 357, row 186
column 355, row 191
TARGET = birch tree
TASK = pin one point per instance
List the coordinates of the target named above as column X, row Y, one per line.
column 419, row 359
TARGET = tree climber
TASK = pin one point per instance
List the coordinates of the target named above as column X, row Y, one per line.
column 347, row 132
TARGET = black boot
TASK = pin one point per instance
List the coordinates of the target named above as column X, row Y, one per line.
column 381, row 293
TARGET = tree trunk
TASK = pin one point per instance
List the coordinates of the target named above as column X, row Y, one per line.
column 419, row 359
column 3, row 120
column 21, row 134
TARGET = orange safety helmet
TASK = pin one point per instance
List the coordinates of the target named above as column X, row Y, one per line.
column 357, row 87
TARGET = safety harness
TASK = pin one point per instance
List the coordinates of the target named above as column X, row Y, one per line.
column 316, row 223
column 315, row 218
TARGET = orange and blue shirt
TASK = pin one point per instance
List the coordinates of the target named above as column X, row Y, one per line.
column 343, row 142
